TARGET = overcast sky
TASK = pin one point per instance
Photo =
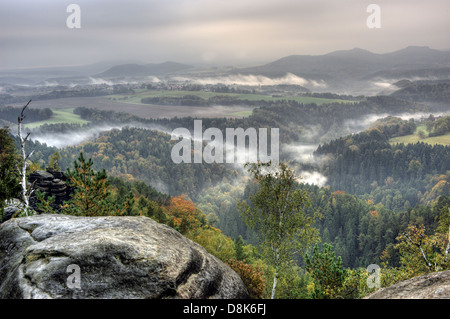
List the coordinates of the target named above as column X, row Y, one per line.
column 34, row 33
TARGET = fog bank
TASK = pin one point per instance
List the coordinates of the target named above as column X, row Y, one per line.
column 75, row 137
column 253, row 80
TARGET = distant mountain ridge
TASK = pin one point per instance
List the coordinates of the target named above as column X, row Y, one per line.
column 133, row 69
column 339, row 67
column 355, row 72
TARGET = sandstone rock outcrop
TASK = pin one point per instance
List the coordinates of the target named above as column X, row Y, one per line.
column 117, row 257
column 52, row 183
column 435, row 285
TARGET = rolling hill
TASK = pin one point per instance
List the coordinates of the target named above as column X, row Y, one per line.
column 342, row 69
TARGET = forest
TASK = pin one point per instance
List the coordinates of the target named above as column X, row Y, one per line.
column 398, row 175
column 382, row 201
column 10, row 114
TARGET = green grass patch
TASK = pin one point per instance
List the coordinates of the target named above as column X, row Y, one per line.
column 421, row 127
column 59, row 116
column 414, row 138
column 242, row 113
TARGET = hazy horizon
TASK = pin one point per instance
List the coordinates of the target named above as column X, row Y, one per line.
column 193, row 63
column 213, row 32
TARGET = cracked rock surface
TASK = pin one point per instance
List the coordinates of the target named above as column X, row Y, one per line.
column 117, row 257
column 435, row 285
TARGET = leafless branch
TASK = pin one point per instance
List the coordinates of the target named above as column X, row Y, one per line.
column 26, row 192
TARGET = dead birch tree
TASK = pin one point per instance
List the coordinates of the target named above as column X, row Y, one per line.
column 26, row 191
column 447, row 250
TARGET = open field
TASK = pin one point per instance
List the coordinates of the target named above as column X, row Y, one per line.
column 144, row 110
column 59, row 116
column 242, row 113
column 131, row 104
column 414, row 138
column 443, row 139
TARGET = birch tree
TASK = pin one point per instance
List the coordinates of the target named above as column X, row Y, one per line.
column 277, row 213
column 421, row 253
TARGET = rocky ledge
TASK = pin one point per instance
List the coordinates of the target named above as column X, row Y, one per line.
column 435, row 285
column 60, row 256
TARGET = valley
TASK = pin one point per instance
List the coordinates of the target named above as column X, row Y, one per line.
column 367, row 135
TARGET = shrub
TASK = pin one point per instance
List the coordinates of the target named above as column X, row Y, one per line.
column 253, row 277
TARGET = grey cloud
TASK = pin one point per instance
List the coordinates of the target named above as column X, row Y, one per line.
column 34, row 32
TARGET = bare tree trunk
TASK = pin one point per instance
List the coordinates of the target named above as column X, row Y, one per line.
column 277, row 259
column 274, row 287
column 419, row 245
column 426, row 259
column 275, row 277
column 448, row 243
column 23, row 170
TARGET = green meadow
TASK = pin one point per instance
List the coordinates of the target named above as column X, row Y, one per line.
column 414, row 138
column 242, row 113
column 59, row 116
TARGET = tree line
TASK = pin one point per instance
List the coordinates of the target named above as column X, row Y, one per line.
column 10, row 113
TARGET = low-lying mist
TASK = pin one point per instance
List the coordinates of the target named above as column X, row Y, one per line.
column 254, row 80
column 302, row 152
column 386, row 86
column 306, row 165
column 75, row 137
column 313, row 178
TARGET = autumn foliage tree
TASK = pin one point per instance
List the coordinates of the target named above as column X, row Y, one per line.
column 422, row 253
column 183, row 215
column 252, row 276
